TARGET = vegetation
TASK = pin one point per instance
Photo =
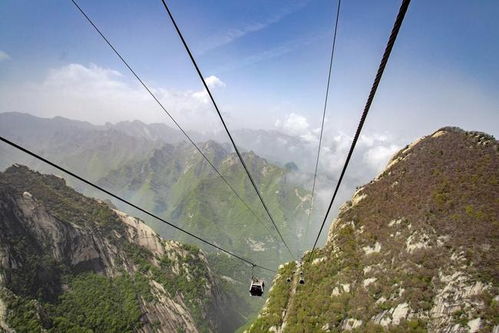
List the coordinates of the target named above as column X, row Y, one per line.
column 58, row 281
column 100, row 304
column 92, row 303
column 190, row 281
column 177, row 183
column 22, row 313
column 281, row 293
column 430, row 217
column 61, row 201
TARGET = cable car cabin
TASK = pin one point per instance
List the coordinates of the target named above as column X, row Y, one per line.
column 256, row 288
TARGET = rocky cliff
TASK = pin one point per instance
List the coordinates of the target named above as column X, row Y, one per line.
column 415, row 250
column 71, row 263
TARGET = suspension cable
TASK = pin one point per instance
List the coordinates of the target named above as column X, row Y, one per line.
column 225, row 126
column 170, row 116
column 325, row 107
column 370, row 98
column 249, row 262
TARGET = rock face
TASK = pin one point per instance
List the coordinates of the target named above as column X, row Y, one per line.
column 57, row 246
column 417, row 248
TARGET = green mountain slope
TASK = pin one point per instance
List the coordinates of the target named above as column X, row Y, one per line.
column 69, row 263
column 415, row 250
column 177, row 183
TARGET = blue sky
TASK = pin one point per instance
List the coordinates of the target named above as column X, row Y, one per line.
column 266, row 61
column 270, row 59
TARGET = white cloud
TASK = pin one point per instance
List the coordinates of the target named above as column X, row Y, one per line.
column 212, row 81
column 377, row 156
column 100, row 95
column 81, row 80
column 372, row 152
column 293, row 124
column 4, row 56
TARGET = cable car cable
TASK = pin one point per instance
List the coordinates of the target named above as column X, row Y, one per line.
column 225, row 126
column 249, row 262
column 169, row 115
column 370, row 98
column 325, row 107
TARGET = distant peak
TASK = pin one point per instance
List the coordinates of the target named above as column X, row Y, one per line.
column 212, row 145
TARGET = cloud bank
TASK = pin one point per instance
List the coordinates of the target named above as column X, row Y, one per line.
column 373, row 149
column 96, row 94
column 372, row 152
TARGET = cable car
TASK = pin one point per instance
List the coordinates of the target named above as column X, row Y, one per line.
column 302, row 281
column 256, row 288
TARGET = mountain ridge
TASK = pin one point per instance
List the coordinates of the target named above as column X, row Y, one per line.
column 414, row 250
column 175, row 180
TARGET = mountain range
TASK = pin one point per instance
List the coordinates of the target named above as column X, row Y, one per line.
column 132, row 140
column 150, row 166
column 110, row 146
column 414, row 250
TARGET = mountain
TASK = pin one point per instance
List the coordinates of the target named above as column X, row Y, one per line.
column 276, row 146
column 78, row 137
column 148, row 165
column 107, row 146
column 69, row 263
column 70, row 142
column 112, row 146
column 178, row 183
column 153, row 132
column 414, row 250
column 32, row 128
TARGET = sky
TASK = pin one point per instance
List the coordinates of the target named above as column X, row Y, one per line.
column 266, row 62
